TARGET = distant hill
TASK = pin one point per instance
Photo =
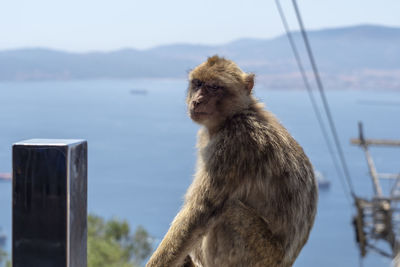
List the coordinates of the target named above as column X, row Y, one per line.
column 365, row 56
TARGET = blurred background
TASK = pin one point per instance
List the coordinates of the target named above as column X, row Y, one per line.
column 114, row 73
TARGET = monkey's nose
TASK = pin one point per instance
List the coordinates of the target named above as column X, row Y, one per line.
column 196, row 103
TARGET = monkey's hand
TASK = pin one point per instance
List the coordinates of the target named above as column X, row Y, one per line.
column 179, row 240
column 202, row 210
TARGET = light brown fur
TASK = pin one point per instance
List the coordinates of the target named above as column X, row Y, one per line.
column 253, row 199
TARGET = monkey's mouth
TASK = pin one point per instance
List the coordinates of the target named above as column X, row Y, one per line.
column 199, row 114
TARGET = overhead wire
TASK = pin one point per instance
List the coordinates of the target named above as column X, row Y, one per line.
column 311, row 96
column 324, row 101
column 347, row 177
column 326, row 107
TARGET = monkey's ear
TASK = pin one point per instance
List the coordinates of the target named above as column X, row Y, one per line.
column 249, row 82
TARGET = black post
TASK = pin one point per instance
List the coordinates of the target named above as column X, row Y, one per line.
column 49, row 203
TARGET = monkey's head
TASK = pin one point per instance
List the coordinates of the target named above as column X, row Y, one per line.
column 218, row 88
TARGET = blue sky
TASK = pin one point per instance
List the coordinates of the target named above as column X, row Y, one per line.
column 93, row 25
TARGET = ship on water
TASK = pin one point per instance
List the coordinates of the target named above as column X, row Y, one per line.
column 323, row 183
column 5, row 177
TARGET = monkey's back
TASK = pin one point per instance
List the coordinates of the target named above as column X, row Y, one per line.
column 269, row 216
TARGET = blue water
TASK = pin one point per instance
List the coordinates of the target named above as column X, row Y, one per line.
column 142, row 155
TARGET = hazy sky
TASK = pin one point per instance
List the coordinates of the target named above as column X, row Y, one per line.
column 86, row 25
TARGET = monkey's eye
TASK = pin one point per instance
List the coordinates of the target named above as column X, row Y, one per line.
column 213, row 87
column 197, row 83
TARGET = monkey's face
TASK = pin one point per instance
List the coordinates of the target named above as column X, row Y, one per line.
column 218, row 88
column 205, row 100
column 211, row 101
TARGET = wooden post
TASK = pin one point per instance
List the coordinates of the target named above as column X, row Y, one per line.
column 49, row 203
column 371, row 165
column 385, row 209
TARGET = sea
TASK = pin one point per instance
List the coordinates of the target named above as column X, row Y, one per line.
column 142, row 150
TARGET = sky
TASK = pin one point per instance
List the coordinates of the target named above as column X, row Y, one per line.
column 106, row 25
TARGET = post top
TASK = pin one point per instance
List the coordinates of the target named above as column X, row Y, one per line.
column 49, row 142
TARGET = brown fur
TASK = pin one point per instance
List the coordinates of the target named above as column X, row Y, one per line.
column 253, row 199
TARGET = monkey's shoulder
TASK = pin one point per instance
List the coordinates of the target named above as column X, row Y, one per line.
column 257, row 137
column 256, row 129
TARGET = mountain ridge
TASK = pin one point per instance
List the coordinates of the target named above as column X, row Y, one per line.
column 346, row 56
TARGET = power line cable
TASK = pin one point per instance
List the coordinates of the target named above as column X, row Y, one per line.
column 324, row 100
column 312, row 98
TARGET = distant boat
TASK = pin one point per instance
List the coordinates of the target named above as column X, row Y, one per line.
column 139, row 92
column 5, row 176
column 323, row 183
column 3, row 239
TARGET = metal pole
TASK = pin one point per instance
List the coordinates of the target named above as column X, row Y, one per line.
column 49, row 203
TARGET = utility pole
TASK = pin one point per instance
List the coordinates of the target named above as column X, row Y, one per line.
column 378, row 218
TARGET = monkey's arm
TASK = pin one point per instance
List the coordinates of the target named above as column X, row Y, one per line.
column 203, row 207
column 214, row 184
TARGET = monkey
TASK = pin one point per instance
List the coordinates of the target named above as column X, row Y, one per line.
column 253, row 198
